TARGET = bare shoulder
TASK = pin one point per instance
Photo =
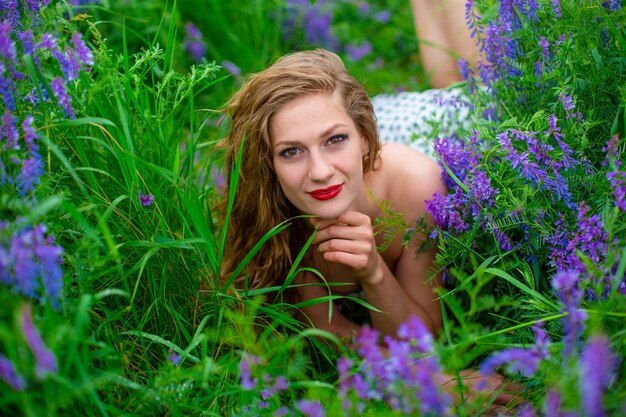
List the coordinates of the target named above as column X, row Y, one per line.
column 409, row 178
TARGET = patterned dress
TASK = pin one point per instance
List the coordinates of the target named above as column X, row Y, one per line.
column 418, row 118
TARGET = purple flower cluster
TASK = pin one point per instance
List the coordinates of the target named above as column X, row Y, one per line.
column 588, row 237
column 194, row 44
column 597, row 369
column 315, row 17
column 617, row 177
column 536, row 164
column 462, row 204
column 406, row 378
column 522, row 360
column 30, row 263
column 569, row 105
column 358, row 52
column 566, row 285
column 16, row 168
column 266, row 390
column 70, row 59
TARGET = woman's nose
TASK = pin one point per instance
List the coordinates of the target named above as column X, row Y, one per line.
column 320, row 168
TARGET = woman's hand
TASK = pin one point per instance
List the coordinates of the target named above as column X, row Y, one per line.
column 349, row 240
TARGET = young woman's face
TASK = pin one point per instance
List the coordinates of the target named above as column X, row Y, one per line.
column 318, row 155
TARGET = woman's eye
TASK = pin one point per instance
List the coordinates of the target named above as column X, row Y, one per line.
column 337, row 139
column 289, row 153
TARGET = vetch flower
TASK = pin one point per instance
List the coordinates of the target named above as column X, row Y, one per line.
column 46, row 360
column 85, row 56
column 64, row 100
column 231, row 68
column 146, row 199
column 9, row 375
column 522, row 360
column 356, row 53
column 545, row 46
column 597, row 368
column 28, row 178
column 174, row 357
column 8, row 131
column 246, row 380
column 311, row 408
column 194, row 45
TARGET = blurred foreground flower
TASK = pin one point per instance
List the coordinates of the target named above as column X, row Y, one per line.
column 9, row 375
column 46, row 360
column 406, row 379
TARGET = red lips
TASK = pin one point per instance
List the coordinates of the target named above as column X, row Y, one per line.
column 326, row 193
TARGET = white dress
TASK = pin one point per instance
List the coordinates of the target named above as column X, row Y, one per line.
column 418, row 118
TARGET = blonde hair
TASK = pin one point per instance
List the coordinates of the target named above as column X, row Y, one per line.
column 259, row 203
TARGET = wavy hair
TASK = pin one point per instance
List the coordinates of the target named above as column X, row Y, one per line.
column 259, row 202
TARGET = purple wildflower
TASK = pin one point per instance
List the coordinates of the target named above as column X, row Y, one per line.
column 246, row 380
column 566, row 284
column 30, row 256
column 25, row 268
column 146, row 199
column 63, row 98
column 597, row 364
column 85, row 56
column 617, row 178
column 545, row 46
column 383, row 16
column 356, row 53
column 538, row 69
column 471, row 20
column 47, row 41
column 9, row 375
column 552, row 404
column 7, row 46
column 46, row 360
column 28, row 178
column 526, row 410
column 556, row 7
column 414, row 330
column 231, row 68
column 8, row 131
column 533, row 7
column 7, row 89
column 468, row 75
column 615, row 5
column 317, row 23
column 30, row 135
column 10, row 14
column 568, row 104
column 523, row 360
column 194, row 45
column 174, row 357
column 311, row 408
column 50, row 258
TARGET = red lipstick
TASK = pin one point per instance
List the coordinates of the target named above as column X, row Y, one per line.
column 326, row 193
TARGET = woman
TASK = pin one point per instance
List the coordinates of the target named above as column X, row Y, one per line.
column 311, row 147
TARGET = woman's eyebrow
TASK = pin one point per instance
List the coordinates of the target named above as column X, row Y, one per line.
column 322, row 135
